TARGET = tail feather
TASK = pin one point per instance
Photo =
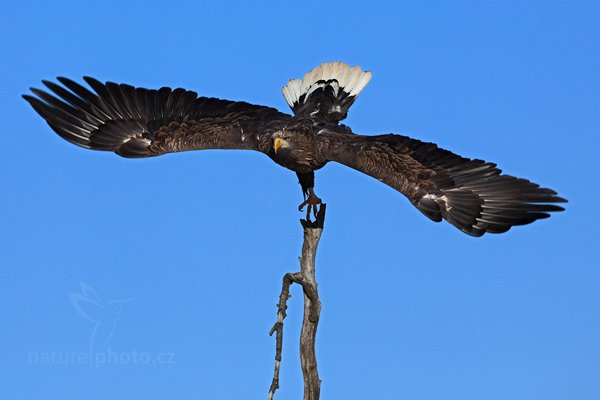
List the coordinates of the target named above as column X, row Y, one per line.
column 326, row 92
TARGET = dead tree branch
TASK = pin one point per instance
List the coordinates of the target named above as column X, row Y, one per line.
column 312, row 310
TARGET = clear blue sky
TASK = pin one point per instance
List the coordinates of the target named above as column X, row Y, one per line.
column 191, row 247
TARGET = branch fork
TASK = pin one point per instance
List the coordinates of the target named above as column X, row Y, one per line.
column 312, row 310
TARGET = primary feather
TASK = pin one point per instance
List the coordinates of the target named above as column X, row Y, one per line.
column 137, row 122
column 471, row 194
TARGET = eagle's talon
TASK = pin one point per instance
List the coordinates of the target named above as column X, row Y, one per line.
column 312, row 202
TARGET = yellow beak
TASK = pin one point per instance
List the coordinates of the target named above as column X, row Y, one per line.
column 279, row 143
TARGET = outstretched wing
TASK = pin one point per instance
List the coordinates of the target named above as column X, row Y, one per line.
column 472, row 195
column 137, row 122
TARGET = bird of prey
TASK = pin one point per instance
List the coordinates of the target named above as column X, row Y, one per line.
column 471, row 194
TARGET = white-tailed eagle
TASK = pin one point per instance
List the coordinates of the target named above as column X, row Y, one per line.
column 471, row 194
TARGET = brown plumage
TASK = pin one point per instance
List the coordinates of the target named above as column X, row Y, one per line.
column 472, row 195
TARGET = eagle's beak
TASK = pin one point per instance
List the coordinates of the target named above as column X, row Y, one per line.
column 279, row 143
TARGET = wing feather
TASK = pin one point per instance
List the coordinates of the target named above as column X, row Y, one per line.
column 138, row 122
column 471, row 194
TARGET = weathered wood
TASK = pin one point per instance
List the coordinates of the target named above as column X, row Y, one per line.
column 312, row 306
column 312, row 310
column 288, row 279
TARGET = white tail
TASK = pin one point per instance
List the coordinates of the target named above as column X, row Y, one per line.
column 338, row 75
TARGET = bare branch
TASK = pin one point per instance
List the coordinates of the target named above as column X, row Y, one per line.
column 312, row 310
column 288, row 279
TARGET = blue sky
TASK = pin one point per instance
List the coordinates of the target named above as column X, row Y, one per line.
column 167, row 270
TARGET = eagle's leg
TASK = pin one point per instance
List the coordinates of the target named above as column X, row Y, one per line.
column 313, row 202
column 307, row 181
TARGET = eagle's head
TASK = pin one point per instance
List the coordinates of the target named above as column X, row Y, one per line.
column 294, row 148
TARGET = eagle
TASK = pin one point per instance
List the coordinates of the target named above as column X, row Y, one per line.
column 471, row 194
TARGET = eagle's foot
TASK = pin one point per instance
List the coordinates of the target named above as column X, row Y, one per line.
column 312, row 202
